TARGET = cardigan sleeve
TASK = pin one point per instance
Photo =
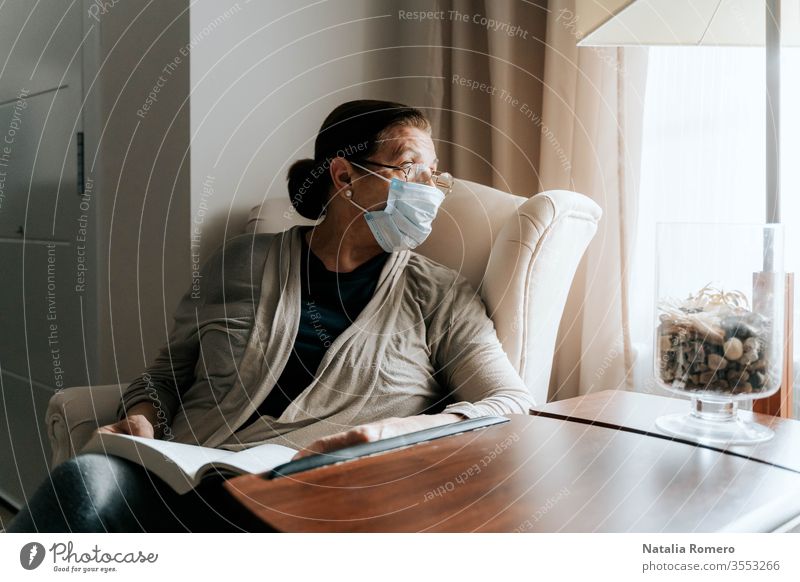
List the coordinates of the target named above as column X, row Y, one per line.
column 469, row 356
column 229, row 279
column 173, row 370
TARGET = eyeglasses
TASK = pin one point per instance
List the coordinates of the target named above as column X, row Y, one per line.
column 419, row 173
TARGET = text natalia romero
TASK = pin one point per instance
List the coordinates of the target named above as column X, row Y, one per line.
column 678, row 549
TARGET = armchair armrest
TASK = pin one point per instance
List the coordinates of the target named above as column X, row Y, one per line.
column 74, row 413
column 529, row 276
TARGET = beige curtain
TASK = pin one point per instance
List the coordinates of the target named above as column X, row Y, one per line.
column 591, row 136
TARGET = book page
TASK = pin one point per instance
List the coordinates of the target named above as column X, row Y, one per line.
column 181, row 465
column 190, row 458
column 258, row 459
column 176, row 463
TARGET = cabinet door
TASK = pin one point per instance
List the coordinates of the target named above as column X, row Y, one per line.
column 41, row 315
column 40, row 118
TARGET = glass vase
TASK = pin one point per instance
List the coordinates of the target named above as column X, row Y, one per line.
column 719, row 330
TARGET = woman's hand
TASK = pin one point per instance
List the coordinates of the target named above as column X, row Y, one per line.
column 140, row 421
column 135, row 424
column 375, row 431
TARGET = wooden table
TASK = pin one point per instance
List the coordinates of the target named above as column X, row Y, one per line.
column 541, row 473
column 638, row 412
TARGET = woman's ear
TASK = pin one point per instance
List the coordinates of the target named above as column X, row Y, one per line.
column 340, row 174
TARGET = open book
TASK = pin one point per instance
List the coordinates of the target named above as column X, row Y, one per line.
column 183, row 466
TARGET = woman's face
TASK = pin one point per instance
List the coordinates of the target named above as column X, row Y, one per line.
column 402, row 145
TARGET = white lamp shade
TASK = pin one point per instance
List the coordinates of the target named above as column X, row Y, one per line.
column 680, row 22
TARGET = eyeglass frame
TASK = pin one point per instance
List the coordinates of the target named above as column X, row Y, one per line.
column 406, row 168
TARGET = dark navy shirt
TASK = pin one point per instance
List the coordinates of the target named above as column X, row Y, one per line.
column 329, row 303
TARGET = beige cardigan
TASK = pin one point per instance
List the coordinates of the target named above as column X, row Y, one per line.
column 423, row 344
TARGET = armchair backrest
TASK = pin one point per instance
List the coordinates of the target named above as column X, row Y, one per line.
column 520, row 253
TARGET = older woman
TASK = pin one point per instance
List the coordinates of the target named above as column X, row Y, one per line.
column 316, row 338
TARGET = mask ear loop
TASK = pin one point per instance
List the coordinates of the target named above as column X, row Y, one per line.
column 384, row 178
column 349, row 193
column 349, row 196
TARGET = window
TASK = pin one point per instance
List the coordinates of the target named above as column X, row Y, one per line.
column 703, row 150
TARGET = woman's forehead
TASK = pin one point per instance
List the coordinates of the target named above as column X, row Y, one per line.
column 408, row 142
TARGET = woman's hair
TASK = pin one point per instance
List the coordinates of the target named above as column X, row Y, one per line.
column 353, row 130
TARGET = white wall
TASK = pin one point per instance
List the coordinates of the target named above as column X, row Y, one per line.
column 264, row 75
column 139, row 165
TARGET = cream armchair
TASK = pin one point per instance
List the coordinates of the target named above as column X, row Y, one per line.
column 521, row 253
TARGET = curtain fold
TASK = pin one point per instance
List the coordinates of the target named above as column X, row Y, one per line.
column 591, row 142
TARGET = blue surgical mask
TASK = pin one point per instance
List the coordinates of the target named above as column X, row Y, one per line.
column 406, row 221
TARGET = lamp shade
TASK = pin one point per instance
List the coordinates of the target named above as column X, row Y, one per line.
column 681, row 22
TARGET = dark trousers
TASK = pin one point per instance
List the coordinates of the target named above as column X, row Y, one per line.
column 98, row 493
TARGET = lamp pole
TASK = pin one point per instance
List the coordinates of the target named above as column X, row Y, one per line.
column 773, row 113
column 780, row 403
